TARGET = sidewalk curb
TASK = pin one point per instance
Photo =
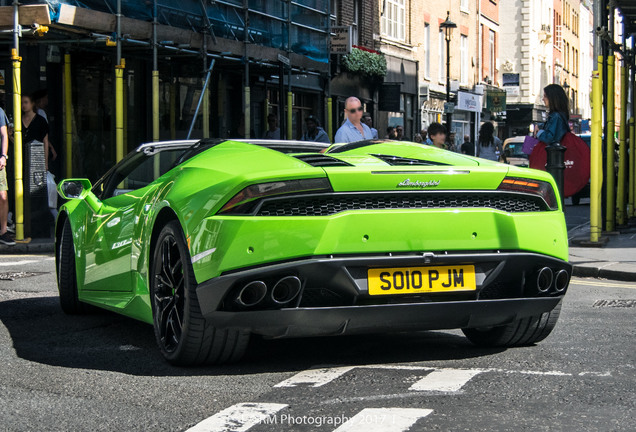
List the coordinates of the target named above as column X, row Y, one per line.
column 595, row 272
column 28, row 248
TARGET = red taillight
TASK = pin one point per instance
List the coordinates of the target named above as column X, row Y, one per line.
column 536, row 187
column 242, row 202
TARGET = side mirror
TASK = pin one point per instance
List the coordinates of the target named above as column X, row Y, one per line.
column 79, row 189
column 74, row 188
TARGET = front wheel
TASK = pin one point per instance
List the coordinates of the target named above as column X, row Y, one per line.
column 66, row 273
column 524, row 331
column 184, row 337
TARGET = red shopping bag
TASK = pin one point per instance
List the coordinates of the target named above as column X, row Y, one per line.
column 576, row 158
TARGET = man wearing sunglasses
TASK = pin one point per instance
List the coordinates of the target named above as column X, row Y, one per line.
column 353, row 129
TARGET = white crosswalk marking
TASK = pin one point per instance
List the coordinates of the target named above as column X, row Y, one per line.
column 384, row 420
column 315, row 377
column 445, row 380
column 238, row 418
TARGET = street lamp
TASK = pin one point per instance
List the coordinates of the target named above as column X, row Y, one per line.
column 566, row 87
column 448, row 27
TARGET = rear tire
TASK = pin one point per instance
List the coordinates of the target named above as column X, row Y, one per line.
column 576, row 199
column 182, row 333
column 66, row 273
column 525, row 331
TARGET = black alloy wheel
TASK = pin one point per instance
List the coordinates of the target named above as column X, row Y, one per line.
column 183, row 335
column 168, row 296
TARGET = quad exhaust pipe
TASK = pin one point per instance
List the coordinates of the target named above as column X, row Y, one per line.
column 562, row 280
column 544, row 279
column 548, row 278
column 285, row 290
column 252, row 294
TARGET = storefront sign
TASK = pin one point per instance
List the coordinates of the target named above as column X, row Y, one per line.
column 341, row 40
column 512, row 90
column 468, row 102
column 284, row 60
column 496, row 101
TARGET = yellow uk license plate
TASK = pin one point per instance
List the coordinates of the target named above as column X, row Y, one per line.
column 414, row 280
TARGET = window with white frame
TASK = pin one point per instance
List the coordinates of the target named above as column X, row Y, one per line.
column 394, row 19
column 440, row 66
column 427, row 50
column 463, row 6
column 355, row 24
column 463, row 54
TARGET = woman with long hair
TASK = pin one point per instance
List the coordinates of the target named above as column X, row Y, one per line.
column 488, row 145
column 34, row 126
column 556, row 125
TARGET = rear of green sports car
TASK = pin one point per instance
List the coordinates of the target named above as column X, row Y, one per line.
column 383, row 237
column 240, row 238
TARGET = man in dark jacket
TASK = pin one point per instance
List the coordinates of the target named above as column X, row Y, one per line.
column 314, row 132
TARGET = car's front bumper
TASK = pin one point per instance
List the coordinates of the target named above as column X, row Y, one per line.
column 334, row 298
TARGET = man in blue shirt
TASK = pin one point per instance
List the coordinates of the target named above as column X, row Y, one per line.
column 353, row 129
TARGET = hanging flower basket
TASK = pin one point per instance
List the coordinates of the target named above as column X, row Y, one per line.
column 371, row 64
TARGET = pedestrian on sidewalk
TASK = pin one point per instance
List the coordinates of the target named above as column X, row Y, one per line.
column 353, row 129
column 366, row 118
column 34, row 127
column 489, row 145
column 41, row 101
column 273, row 131
column 556, row 125
column 467, row 147
column 436, row 135
column 5, row 237
column 314, row 132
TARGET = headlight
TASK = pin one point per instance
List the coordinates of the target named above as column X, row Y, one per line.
column 535, row 187
column 244, row 201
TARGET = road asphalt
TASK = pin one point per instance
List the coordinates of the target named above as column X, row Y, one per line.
column 104, row 372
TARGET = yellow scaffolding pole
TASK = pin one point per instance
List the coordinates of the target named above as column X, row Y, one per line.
column 173, row 110
column 119, row 110
column 205, row 112
column 632, row 165
column 622, row 150
column 155, row 120
column 330, row 118
column 68, row 115
column 17, row 140
column 155, row 105
column 289, row 115
column 596, row 165
column 609, row 146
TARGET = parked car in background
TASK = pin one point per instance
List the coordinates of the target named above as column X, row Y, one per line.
column 512, row 152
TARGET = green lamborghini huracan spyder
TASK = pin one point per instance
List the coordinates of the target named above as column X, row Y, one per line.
column 214, row 240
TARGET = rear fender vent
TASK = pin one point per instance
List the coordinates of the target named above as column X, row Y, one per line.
column 402, row 161
column 320, row 160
